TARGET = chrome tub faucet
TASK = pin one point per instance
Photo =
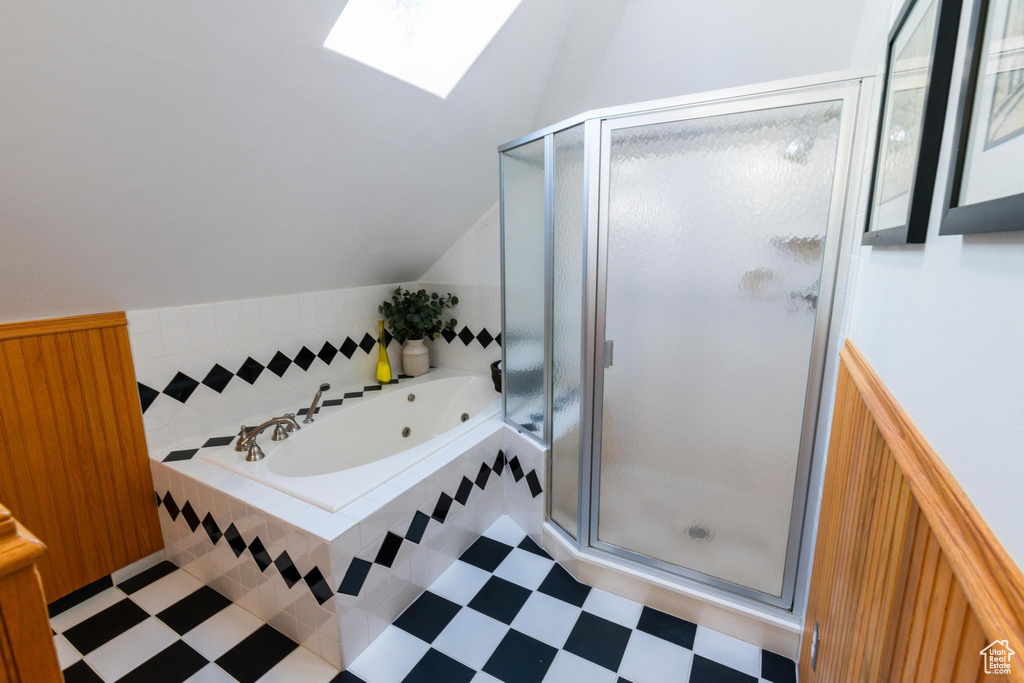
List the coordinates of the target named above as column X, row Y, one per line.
column 283, row 426
column 316, row 401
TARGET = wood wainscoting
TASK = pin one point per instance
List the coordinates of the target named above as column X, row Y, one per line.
column 908, row 582
column 74, row 468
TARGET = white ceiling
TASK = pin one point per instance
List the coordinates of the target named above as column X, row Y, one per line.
column 156, row 153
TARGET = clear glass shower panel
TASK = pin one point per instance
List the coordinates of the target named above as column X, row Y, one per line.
column 567, row 327
column 715, row 241
column 522, row 178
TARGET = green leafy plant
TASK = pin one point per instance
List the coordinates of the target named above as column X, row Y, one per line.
column 417, row 315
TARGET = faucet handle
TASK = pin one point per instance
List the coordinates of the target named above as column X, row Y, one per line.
column 243, row 433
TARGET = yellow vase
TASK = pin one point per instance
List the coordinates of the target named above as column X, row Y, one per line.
column 383, row 364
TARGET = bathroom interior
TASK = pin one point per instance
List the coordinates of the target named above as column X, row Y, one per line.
column 531, row 340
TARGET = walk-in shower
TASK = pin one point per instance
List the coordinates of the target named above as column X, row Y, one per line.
column 668, row 277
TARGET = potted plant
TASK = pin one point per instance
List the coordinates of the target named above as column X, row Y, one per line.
column 413, row 317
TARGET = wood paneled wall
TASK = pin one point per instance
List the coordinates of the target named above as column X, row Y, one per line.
column 908, row 582
column 74, row 467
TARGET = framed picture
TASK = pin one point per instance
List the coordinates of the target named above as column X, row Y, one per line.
column 918, row 68
column 986, row 188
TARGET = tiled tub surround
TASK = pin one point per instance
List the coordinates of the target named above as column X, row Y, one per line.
column 334, row 582
column 208, row 368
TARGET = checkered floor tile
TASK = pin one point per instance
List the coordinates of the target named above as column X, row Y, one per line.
column 505, row 611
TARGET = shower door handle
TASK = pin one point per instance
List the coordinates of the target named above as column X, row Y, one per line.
column 609, row 349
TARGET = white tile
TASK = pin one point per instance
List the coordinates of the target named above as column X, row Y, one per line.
column 83, row 610
column 649, row 659
column 211, row 673
column 201, row 314
column 177, row 340
column 460, row 582
column 613, row 607
column 506, row 531
column 526, row 569
column 222, row 631
column 390, row 657
column 727, row 650
column 173, row 318
column 547, row 619
column 166, row 591
column 143, row 321
column 481, row 677
column 300, row 665
column 120, row 655
column 568, row 668
column 471, row 637
column 138, row 567
column 66, row 653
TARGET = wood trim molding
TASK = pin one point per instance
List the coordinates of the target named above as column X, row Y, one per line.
column 993, row 583
column 18, row 547
column 35, row 328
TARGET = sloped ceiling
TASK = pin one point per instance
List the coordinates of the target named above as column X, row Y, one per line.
column 158, row 153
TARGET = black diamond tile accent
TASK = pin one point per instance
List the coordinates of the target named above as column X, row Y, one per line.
column 250, row 370
column 327, row 353
column 448, row 335
column 466, row 336
column 389, row 550
column 417, row 527
column 353, row 394
column 704, row 670
column 332, row 402
column 598, row 640
column 146, row 396
column 533, row 481
column 287, row 568
column 79, row 672
column 104, row 626
column 212, row 530
column 193, row 609
column 260, row 554
column 484, row 337
column 497, row 339
column 499, row 463
column 388, row 337
column 483, row 475
column 515, row 468
column 279, row 364
column 79, row 596
column 520, row 658
column 530, row 546
column 234, row 540
column 146, row 577
column 218, row 377
column 318, row 585
column 348, row 347
column 486, row 553
column 177, row 662
column 171, row 506
column 354, row 577
column 444, row 504
column 175, row 456
column 305, row 411
column 191, row 518
column 218, row 441
column 436, row 666
column 347, row 677
column 428, row 616
column 465, row 488
column 372, row 387
column 304, row 358
column 667, row 627
column 776, row 668
column 560, row 584
column 367, row 343
column 181, row 387
column 257, row 654
column 500, row 599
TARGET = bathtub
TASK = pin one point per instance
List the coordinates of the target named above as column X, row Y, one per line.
column 361, row 444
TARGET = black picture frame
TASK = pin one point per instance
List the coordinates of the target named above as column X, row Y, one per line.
column 1003, row 214
column 915, row 228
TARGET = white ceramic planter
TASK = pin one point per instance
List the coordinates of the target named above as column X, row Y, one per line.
column 415, row 358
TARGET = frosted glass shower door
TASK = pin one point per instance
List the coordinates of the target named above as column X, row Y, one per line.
column 718, row 230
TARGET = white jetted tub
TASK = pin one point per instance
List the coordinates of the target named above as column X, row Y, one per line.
column 357, row 446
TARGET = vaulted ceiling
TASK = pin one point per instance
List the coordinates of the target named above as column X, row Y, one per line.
column 158, row 153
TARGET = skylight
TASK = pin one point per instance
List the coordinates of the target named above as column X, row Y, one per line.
column 427, row 43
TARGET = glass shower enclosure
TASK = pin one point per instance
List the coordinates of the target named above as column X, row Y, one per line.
column 668, row 275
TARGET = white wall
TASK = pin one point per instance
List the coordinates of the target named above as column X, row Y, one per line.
column 943, row 325
column 475, row 258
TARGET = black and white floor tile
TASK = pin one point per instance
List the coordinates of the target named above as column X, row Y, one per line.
column 504, row 611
